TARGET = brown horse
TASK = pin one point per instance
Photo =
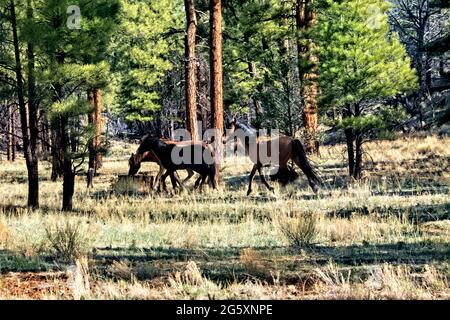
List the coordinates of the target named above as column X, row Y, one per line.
column 136, row 160
column 289, row 149
column 188, row 152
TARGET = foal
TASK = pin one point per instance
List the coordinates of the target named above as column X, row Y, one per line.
column 165, row 152
column 141, row 155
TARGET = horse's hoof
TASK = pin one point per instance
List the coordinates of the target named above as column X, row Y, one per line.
column 249, row 192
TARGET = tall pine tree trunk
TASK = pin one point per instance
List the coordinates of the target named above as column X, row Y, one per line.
column 191, row 68
column 32, row 119
column 11, row 146
column 68, row 175
column 358, row 148
column 57, row 154
column 305, row 19
column 95, row 119
column 55, row 133
column 217, row 78
column 350, row 137
column 33, row 195
column 358, row 156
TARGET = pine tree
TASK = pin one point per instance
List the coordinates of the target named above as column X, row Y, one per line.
column 74, row 63
column 360, row 62
column 140, row 55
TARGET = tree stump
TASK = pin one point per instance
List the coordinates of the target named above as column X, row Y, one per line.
column 134, row 185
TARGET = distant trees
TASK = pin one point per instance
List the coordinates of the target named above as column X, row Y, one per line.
column 419, row 23
column 358, row 69
column 274, row 62
column 140, row 56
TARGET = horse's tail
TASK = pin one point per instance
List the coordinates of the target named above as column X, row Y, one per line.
column 302, row 161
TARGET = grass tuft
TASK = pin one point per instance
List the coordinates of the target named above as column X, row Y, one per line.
column 299, row 230
column 67, row 241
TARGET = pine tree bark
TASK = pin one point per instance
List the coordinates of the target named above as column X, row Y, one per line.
column 31, row 160
column 191, row 69
column 305, row 19
column 216, row 62
column 95, row 119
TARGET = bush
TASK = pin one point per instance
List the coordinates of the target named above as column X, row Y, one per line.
column 300, row 230
column 67, row 241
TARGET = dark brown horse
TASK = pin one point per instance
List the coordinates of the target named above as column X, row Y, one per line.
column 288, row 148
column 164, row 152
column 136, row 160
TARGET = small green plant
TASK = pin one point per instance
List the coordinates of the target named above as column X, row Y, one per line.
column 300, row 229
column 67, row 241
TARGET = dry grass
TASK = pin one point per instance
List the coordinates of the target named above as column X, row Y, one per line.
column 300, row 230
column 5, row 234
column 383, row 282
column 67, row 241
column 387, row 237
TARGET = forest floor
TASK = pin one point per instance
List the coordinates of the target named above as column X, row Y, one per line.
column 386, row 237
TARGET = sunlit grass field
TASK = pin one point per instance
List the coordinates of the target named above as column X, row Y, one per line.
column 386, row 237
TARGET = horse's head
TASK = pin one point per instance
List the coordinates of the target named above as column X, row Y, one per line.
column 135, row 164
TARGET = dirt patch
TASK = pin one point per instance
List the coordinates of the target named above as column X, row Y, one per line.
column 36, row 286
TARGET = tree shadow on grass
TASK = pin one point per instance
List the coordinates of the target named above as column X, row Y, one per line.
column 11, row 261
column 262, row 263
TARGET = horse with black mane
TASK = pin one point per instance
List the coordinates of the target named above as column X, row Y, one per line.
column 141, row 155
column 193, row 156
column 288, row 148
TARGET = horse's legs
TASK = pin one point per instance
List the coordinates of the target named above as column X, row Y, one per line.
column 197, row 183
column 158, row 181
column 163, row 181
column 202, row 184
column 252, row 176
column 263, row 178
column 311, row 182
column 190, row 175
column 176, row 179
